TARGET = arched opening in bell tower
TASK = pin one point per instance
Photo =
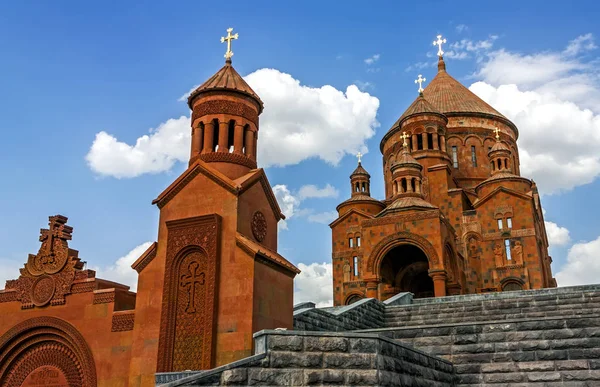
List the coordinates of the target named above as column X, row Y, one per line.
column 405, row 268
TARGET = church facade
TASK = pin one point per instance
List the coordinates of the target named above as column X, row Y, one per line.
column 211, row 280
column 457, row 217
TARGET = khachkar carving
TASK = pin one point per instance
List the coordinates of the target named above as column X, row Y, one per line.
column 48, row 275
column 187, row 330
column 45, row 351
column 259, row 226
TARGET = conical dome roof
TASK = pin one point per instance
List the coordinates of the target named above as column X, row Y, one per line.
column 360, row 171
column 449, row 96
column 226, row 79
column 419, row 105
column 406, row 160
column 499, row 146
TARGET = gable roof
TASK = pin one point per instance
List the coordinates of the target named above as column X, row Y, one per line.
column 346, row 214
column 480, row 201
column 236, row 187
column 254, row 248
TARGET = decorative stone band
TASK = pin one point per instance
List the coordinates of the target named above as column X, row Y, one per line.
column 104, row 296
column 228, row 158
column 513, row 233
column 224, row 107
column 8, row 296
column 123, row 321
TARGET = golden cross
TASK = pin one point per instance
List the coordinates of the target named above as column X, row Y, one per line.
column 228, row 39
column 497, row 131
column 438, row 43
column 420, row 81
column 359, row 156
column 404, row 137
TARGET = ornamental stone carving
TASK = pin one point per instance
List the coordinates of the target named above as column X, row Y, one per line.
column 48, row 276
column 259, row 226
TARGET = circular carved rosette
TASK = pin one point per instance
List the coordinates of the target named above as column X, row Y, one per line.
column 42, row 291
column 259, row 226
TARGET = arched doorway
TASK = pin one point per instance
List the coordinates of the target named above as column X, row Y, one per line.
column 405, row 268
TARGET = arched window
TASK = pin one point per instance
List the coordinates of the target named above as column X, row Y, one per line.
column 505, row 163
column 412, row 184
column 215, row 144
column 353, row 298
column 473, row 156
column 404, row 188
column 454, row 156
column 429, row 141
column 230, row 135
column 419, row 142
column 499, row 164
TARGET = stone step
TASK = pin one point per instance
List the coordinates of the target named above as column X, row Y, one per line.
column 576, row 310
column 484, row 316
column 488, row 305
column 532, row 378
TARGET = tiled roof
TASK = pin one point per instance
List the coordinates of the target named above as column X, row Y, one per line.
column 449, row 96
column 405, row 204
column 360, row 171
column 420, row 105
column 361, row 198
column 226, row 79
column 407, row 160
column 499, row 145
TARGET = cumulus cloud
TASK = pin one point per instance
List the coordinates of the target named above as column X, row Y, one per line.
column 553, row 99
column 323, row 217
column 372, row 59
column 312, row 191
column 152, row 153
column 290, row 202
column 557, row 235
column 314, row 284
column 583, row 265
column 121, row 270
column 299, row 122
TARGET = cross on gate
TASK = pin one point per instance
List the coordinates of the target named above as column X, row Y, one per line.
column 55, row 230
column 438, row 43
column 189, row 281
column 420, row 81
column 359, row 156
column 228, row 39
column 404, row 137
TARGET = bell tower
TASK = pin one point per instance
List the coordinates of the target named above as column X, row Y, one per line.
column 225, row 113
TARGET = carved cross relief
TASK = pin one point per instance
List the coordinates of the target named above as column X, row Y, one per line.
column 189, row 281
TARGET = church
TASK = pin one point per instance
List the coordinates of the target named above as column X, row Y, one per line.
column 457, row 217
column 444, row 282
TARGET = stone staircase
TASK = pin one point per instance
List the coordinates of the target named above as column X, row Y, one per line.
column 530, row 338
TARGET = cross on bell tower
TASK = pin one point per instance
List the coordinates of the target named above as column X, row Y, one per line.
column 228, row 39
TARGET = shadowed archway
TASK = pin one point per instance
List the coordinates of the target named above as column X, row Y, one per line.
column 405, row 268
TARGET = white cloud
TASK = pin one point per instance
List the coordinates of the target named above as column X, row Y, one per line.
column 463, row 48
column 461, row 28
column 583, row 265
column 153, row 153
column 372, row 59
column 421, row 66
column 185, row 96
column 554, row 101
column 363, row 86
column 10, row 270
column 121, row 270
column 580, row 44
column 312, row 191
column 557, row 235
column 314, row 284
column 301, row 122
column 323, row 217
column 298, row 123
column 290, row 202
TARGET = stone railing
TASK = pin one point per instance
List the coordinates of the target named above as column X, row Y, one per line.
column 367, row 313
column 291, row 358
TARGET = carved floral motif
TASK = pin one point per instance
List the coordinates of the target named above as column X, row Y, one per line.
column 42, row 291
column 259, row 226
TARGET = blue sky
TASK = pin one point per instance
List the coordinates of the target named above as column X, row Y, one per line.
column 71, row 70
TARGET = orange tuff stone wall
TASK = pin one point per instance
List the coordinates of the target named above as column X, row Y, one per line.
column 105, row 330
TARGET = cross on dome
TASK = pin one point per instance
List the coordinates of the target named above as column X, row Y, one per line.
column 404, row 137
column 359, row 156
column 438, row 43
column 497, row 131
column 228, row 39
column 420, row 81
